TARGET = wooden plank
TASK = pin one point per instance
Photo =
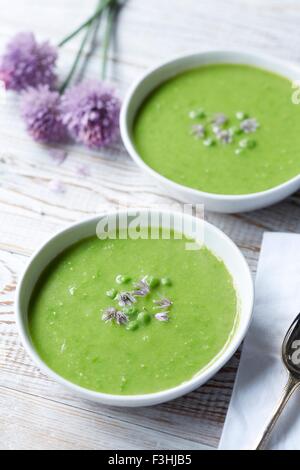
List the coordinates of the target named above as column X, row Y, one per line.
column 32, row 423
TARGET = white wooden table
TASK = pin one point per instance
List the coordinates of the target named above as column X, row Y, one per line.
column 35, row 412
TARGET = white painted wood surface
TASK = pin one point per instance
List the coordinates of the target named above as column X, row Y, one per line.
column 35, row 412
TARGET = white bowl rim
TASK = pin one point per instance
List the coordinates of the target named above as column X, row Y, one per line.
column 129, row 145
column 142, row 399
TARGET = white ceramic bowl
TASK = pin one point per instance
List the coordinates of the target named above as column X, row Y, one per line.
column 214, row 239
column 152, row 79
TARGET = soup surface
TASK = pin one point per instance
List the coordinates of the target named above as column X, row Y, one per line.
column 132, row 316
column 224, row 129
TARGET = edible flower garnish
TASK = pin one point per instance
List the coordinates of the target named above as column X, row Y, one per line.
column 121, row 318
column 163, row 303
column 126, row 298
column 162, row 316
column 131, row 313
column 249, row 125
column 225, row 136
column 143, row 288
column 219, row 119
column 111, row 314
column 198, row 131
column 220, row 129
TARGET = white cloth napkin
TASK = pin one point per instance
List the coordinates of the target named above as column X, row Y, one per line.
column 261, row 375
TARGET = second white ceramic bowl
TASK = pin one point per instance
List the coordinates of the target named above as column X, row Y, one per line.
column 154, row 78
column 214, row 239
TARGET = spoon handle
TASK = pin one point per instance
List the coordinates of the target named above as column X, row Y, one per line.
column 289, row 389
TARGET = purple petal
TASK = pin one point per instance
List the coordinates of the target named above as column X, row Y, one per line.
column 198, row 131
column 57, row 186
column 219, row 119
column 126, row 298
column 143, row 288
column 121, row 318
column 162, row 316
column 109, row 314
column 249, row 125
column 58, row 155
column 163, row 303
column 225, row 137
column 83, row 170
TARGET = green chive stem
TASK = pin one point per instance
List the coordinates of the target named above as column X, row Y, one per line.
column 111, row 11
column 75, row 64
column 88, row 22
column 80, row 51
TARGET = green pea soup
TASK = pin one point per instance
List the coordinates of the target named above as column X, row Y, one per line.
column 223, row 129
column 131, row 317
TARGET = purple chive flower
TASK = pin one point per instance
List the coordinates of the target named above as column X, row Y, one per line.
column 198, row 131
column 111, row 314
column 143, row 288
column 126, row 298
column 249, row 125
column 121, row 318
column 219, row 119
column 91, row 113
column 42, row 115
column 225, row 136
column 162, row 316
column 163, row 303
column 27, row 63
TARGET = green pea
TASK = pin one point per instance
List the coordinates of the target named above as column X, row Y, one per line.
column 197, row 114
column 235, row 130
column 111, row 293
column 209, row 142
column 166, row 281
column 132, row 326
column 130, row 311
column 247, row 143
column 120, row 279
column 240, row 115
column 251, row 144
column 153, row 281
column 144, row 318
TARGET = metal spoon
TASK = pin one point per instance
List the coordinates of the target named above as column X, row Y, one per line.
column 291, row 359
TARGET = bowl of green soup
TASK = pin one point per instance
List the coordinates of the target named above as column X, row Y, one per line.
column 221, row 128
column 130, row 320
